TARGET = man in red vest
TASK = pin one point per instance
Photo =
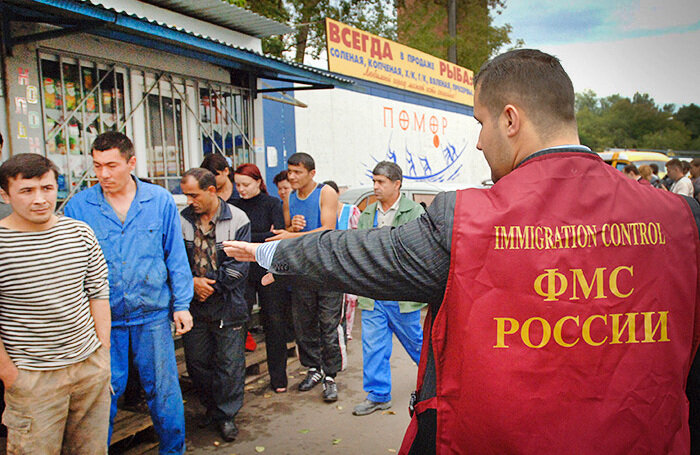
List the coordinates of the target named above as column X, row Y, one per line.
column 563, row 305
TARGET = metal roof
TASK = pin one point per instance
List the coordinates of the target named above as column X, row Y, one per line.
column 222, row 13
column 129, row 27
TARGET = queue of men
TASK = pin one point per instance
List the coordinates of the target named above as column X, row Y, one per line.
column 132, row 229
column 534, row 342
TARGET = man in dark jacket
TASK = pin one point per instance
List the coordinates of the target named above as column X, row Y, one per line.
column 214, row 347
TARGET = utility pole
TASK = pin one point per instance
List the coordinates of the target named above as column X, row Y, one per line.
column 452, row 30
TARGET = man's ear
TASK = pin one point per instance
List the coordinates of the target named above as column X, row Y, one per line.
column 512, row 119
column 313, row 173
column 5, row 196
column 132, row 162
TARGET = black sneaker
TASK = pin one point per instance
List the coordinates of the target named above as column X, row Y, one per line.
column 313, row 378
column 228, row 430
column 330, row 390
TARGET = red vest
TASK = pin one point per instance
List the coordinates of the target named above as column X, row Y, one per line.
column 570, row 317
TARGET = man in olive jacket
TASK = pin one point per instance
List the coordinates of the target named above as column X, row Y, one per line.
column 381, row 318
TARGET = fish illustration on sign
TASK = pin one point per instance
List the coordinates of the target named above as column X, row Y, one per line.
column 441, row 163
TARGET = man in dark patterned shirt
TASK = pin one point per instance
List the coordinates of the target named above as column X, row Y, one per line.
column 214, row 347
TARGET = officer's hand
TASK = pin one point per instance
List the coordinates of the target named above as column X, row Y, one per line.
column 183, row 322
column 241, row 251
column 203, row 288
column 298, row 223
column 268, row 278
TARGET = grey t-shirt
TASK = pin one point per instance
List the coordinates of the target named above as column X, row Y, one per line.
column 5, row 209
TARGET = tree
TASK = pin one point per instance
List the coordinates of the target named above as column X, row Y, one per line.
column 618, row 122
column 276, row 10
column 690, row 116
column 308, row 19
column 422, row 24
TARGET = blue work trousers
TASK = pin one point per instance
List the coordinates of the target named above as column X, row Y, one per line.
column 377, row 328
column 154, row 358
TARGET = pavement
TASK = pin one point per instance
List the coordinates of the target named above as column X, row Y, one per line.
column 302, row 423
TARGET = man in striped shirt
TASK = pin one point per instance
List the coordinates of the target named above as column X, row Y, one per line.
column 54, row 319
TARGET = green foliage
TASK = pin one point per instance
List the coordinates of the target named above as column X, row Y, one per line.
column 619, row 122
column 308, row 19
column 690, row 116
column 422, row 24
column 425, row 28
column 241, row 3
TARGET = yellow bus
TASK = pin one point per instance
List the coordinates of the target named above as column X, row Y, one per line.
column 619, row 158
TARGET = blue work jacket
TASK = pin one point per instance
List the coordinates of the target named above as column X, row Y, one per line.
column 149, row 274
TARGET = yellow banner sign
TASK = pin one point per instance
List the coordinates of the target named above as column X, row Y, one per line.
column 356, row 53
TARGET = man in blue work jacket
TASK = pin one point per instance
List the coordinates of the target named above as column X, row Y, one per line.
column 138, row 227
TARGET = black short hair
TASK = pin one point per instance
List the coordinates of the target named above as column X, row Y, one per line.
column 304, row 159
column 204, row 177
column 631, row 168
column 281, row 177
column 215, row 163
column 114, row 139
column 26, row 166
column 333, row 185
column 535, row 80
column 654, row 168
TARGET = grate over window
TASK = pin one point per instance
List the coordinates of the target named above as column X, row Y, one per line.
column 175, row 120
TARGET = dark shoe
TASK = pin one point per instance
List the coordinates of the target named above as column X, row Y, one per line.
column 228, row 430
column 313, row 378
column 368, row 407
column 330, row 390
column 204, row 421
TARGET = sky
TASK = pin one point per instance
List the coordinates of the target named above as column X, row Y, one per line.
column 617, row 46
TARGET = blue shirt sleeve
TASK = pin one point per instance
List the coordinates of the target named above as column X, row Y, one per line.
column 179, row 273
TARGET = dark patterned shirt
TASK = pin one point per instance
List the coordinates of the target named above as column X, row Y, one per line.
column 205, row 246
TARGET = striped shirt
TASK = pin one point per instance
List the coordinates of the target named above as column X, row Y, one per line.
column 46, row 281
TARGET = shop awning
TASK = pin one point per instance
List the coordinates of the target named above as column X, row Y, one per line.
column 90, row 16
column 225, row 14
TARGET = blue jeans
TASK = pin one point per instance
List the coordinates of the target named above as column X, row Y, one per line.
column 154, row 358
column 377, row 328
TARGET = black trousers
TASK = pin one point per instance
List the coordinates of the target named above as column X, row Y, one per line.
column 215, row 359
column 317, row 325
column 272, row 316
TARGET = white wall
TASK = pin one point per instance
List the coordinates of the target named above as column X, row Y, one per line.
column 347, row 133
